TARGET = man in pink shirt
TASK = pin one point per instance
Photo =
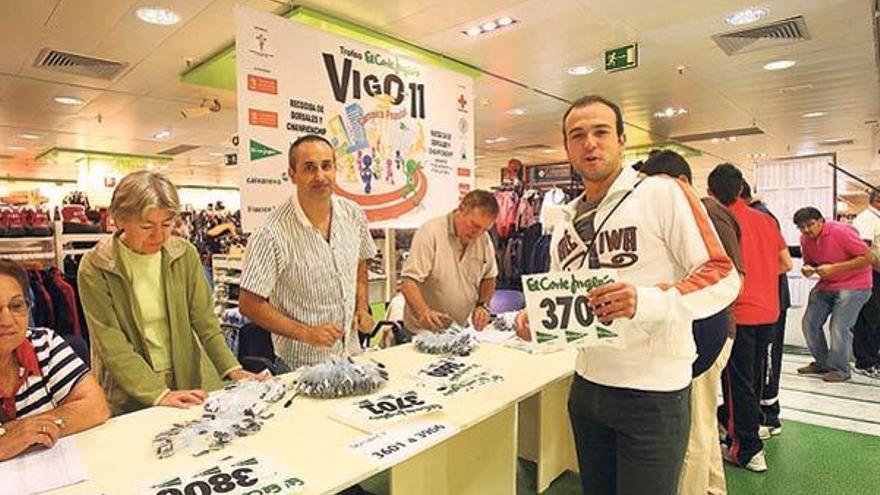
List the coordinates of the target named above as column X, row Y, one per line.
column 835, row 252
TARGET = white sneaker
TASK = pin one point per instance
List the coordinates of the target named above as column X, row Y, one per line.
column 775, row 430
column 758, row 463
column 764, row 432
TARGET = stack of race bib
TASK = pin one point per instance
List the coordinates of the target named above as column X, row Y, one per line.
column 237, row 411
column 341, row 378
column 455, row 340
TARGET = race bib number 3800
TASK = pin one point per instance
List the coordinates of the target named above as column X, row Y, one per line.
column 231, row 476
column 559, row 313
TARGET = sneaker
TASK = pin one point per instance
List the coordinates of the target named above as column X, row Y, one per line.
column 4, row 219
column 76, row 221
column 812, row 369
column 764, row 432
column 38, row 224
column 775, row 430
column 758, row 463
column 15, row 223
column 834, row 377
column 870, row 372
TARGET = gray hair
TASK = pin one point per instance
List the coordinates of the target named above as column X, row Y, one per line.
column 479, row 199
column 140, row 191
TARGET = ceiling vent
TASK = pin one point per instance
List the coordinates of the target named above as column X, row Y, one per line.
column 725, row 134
column 778, row 33
column 180, row 148
column 79, row 65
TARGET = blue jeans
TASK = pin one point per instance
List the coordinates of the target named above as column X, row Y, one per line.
column 844, row 307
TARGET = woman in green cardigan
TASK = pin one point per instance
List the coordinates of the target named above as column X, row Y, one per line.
column 155, row 338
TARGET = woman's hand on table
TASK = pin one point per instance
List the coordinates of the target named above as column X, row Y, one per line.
column 184, row 399
column 22, row 433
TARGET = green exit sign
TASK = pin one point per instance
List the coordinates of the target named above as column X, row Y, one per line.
column 625, row 57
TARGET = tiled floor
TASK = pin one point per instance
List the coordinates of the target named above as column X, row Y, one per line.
column 830, row 443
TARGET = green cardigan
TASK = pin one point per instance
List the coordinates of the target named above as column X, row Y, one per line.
column 119, row 353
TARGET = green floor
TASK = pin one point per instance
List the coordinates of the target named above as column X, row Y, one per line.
column 805, row 459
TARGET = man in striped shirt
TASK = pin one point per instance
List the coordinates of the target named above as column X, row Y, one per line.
column 305, row 275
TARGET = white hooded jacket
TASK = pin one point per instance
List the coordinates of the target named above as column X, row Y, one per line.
column 658, row 236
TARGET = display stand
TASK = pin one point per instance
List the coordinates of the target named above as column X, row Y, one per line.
column 226, row 271
column 545, row 435
column 480, row 460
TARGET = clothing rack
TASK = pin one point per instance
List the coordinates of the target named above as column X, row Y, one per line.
column 50, row 248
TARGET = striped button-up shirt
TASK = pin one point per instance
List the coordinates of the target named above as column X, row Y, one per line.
column 307, row 278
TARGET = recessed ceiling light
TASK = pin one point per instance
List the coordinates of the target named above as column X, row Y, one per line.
column 550, row 150
column 489, row 26
column 811, row 115
column 580, row 70
column 68, row 100
column 217, row 153
column 499, row 139
column 159, row 16
column 162, row 135
column 670, row 112
column 746, row 16
column 516, row 111
column 15, row 148
column 27, row 135
column 780, row 65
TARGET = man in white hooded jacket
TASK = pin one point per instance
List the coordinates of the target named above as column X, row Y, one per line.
column 630, row 407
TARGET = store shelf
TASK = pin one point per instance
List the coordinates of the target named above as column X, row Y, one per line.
column 65, row 238
column 25, row 240
column 76, row 252
column 28, row 256
column 221, row 262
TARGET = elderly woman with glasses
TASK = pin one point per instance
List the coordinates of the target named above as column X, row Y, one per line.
column 45, row 389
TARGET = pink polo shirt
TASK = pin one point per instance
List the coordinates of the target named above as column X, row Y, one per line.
column 837, row 242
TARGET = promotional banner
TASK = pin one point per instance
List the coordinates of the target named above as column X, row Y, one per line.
column 559, row 313
column 402, row 129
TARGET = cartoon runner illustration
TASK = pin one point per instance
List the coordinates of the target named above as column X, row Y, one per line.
column 389, row 171
column 411, row 167
column 367, row 173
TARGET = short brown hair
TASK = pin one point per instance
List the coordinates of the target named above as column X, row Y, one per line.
column 587, row 100
column 308, row 138
column 13, row 269
column 479, row 198
column 140, row 191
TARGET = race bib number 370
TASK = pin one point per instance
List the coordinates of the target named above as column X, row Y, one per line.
column 559, row 312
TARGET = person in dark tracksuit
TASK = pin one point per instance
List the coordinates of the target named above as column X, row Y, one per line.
column 771, row 425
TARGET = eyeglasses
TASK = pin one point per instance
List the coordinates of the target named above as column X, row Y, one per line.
column 18, row 306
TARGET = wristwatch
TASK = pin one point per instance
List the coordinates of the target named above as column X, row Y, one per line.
column 484, row 306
